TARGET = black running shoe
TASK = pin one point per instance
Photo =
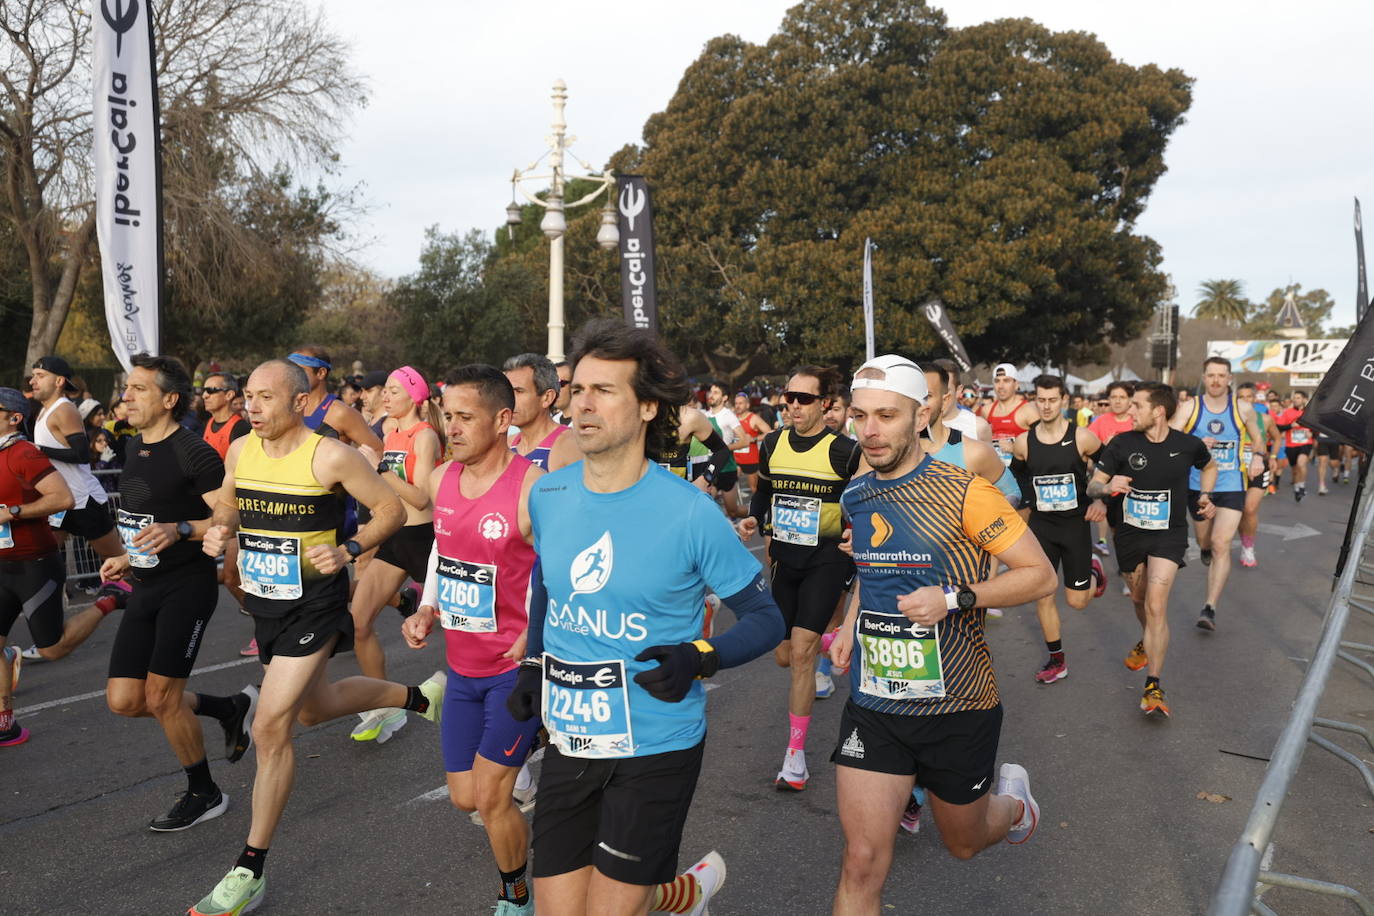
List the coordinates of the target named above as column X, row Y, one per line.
column 1299, row 493
column 190, row 809
column 1207, row 620
column 1206, row 557
column 238, row 728
column 409, row 602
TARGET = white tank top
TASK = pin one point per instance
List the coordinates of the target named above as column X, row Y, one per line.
column 79, row 478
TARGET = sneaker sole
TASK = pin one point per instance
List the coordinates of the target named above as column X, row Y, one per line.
column 17, row 740
column 387, row 731
column 1155, row 709
column 1029, row 802
column 248, row 907
column 1058, row 677
column 1204, row 624
column 1142, row 664
column 785, row 785
column 207, row 816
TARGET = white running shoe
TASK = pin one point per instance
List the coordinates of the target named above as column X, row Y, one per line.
column 710, row 876
column 1247, row 556
column 793, row 775
column 825, row 685
column 379, row 725
column 1013, row 780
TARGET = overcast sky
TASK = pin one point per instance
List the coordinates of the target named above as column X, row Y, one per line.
column 1260, row 182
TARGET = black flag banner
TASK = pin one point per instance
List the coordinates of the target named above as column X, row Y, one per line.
column 1343, row 404
column 638, row 288
column 935, row 312
column 1361, row 284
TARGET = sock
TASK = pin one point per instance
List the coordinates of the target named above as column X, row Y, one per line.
column 676, row 896
column 514, row 887
column 827, row 639
column 796, row 732
column 221, row 708
column 823, row 665
column 524, row 779
column 1247, row 540
column 6, row 719
column 1151, row 682
column 416, row 701
column 198, row 778
column 1056, row 646
column 252, row 858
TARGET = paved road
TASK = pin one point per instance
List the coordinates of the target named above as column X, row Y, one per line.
column 1123, row 831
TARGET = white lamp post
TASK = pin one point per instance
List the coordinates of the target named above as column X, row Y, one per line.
column 554, row 224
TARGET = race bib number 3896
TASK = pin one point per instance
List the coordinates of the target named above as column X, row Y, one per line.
column 270, row 566
column 901, row 659
column 587, row 708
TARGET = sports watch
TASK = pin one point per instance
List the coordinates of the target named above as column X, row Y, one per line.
column 184, row 530
column 353, row 549
column 710, row 660
column 960, row 598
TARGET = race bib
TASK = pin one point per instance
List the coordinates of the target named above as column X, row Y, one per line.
column 467, row 596
column 396, row 462
column 1224, row 454
column 6, row 537
column 1005, row 456
column 900, row 659
column 129, row 525
column 270, row 566
column 1147, row 510
column 587, row 708
column 797, row 519
column 55, row 520
column 1055, row 492
column 1301, row 436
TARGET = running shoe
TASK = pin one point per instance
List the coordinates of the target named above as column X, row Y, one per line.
column 825, row 685
column 1299, row 493
column 15, row 658
column 1102, row 548
column 710, row 877
column 793, row 775
column 379, row 725
column 31, row 654
column 190, row 809
column 1206, row 557
column 1013, row 780
column 1345, row 477
column 1153, row 701
column 433, row 688
column 409, row 601
column 994, row 612
column 1247, row 557
column 1052, row 671
column 238, row 729
column 911, row 817
column 118, row 594
column 511, row 908
column 1321, row 491
column 1207, row 618
column 1126, row 588
column 15, row 735
column 237, row 893
column 1100, row 574
column 250, row 650
column 1137, row 658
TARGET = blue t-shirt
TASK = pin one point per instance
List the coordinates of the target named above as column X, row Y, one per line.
column 625, row 571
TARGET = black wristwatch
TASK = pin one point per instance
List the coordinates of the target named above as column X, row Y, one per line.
column 967, row 598
column 14, row 510
column 184, row 530
column 353, row 549
column 710, row 660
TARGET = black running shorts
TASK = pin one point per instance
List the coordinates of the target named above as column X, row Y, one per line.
column 408, row 549
column 951, row 754
column 91, row 521
column 1297, row 451
column 624, row 816
column 807, row 597
column 33, row 588
column 1261, row 482
column 1231, row 499
column 161, row 629
column 1069, row 546
column 1330, row 449
column 1133, row 546
column 302, row 631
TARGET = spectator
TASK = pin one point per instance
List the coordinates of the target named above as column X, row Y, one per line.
column 105, row 458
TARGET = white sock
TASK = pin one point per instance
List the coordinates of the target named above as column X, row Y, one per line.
column 525, row 779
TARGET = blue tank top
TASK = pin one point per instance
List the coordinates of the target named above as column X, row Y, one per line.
column 952, row 452
column 315, row 419
column 1226, row 450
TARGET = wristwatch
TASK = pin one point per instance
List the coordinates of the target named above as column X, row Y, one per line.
column 353, row 549
column 184, row 530
column 14, row 510
column 710, row 661
column 960, row 598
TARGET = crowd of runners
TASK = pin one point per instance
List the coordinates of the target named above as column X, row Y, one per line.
column 567, row 532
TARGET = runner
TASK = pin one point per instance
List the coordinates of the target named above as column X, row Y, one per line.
column 756, row 427
column 169, row 487
column 324, row 412
column 374, row 414
column 1117, row 419
column 1147, row 470
column 477, row 584
column 1256, row 486
column 224, row 426
column 1051, row 461
column 560, row 405
column 952, row 445
column 837, row 415
column 281, row 499
column 802, row 472
column 413, row 449
column 1297, row 441
column 613, row 656
column 539, row 437
column 1227, row 426
column 1009, row 414
column 959, row 413
column 924, row 707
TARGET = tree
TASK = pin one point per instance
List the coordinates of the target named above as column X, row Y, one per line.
column 1314, row 307
column 354, row 315
column 240, row 80
column 1223, row 300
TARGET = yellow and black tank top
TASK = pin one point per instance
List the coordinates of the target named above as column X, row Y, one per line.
column 805, row 477
column 283, row 512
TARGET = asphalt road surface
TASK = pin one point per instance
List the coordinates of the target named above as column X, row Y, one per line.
column 370, row 830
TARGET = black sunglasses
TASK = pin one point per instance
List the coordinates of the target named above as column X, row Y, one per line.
column 210, row 390
column 800, row 397
column 564, row 383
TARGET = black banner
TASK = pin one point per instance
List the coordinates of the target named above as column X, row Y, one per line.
column 1361, row 285
column 935, row 312
column 1343, row 404
column 638, row 288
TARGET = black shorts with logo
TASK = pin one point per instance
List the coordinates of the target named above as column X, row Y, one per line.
column 408, row 549
column 33, row 588
column 624, row 816
column 807, row 597
column 951, row 754
column 91, row 521
column 1261, row 482
column 1069, row 546
column 1230, row 499
column 1134, row 546
column 161, row 629
column 302, row 631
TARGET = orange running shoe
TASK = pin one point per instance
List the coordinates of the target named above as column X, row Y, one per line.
column 1137, row 659
column 1153, row 701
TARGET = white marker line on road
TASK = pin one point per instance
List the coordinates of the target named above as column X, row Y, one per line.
column 30, row 710
column 431, row 795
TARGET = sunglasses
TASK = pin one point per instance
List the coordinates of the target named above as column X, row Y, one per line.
column 800, row 397
column 564, row 383
column 210, row 390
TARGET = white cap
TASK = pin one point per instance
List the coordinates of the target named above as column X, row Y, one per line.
column 900, row 375
column 1004, row 369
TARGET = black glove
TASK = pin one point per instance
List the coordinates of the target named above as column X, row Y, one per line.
column 677, row 667
column 526, row 696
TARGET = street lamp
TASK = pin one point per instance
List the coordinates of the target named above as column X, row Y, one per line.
column 554, row 223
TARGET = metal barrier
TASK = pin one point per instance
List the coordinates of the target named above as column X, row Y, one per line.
column 1244, row 874
column 82, row 562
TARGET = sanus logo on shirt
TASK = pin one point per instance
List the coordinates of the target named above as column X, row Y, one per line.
column 588, row 573
column 591, row 569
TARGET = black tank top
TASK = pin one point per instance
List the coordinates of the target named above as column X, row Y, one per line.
column 1056, row 476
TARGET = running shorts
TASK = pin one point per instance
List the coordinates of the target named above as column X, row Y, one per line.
column 807, row 597
column 33, row 588
column 725, row 481
column 1230, row 499
column 1297, row 451
column 1330, row 449
column 623, row 815
column 302, row 631
column 91, row 521
column 747, row 468
column 161, row 629
column 1133, row 546
column 408, row 549
column 1068, row 544
column 475, row 721
column 951, row 754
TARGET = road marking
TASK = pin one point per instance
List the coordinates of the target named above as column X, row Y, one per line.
column 1289, row 532
column 431, row 795
column 39, row 707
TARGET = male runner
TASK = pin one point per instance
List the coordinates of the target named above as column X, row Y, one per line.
column 1147, row 470
column 1256, row 486
column 756, row 427
column 560, row 405
column 1227, row 426
column 374, row 414
column 720, row 411
column 1106, row 426
column 924, row 707
column 541, row 439
column 1009, row 413
column 803, row 469
column 324, row 412
column 952, row 445
column 168, row 488
column 224, row 426
column 1297, row 441
column 613, row 654
column 1051, row 460
column 477, row 584
column 282, row 500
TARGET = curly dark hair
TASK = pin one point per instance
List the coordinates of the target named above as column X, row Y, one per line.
column 659, row 374
column 171, row 377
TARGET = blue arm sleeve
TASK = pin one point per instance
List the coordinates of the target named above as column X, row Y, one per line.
column 758, row 625
column 539, row 608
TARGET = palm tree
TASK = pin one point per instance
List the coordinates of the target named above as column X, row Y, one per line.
column 1223, row 300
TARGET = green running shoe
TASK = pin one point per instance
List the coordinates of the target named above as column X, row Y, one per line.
column 237, row 892
column 379, row 725
column 433, row 688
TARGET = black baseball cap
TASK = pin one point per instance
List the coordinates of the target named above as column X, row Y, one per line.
column 57, row 366
column 374, row 379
